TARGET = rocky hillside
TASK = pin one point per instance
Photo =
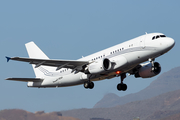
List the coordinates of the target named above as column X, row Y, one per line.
column 172, row 117
column 156, row 108
column 166, row 82
column 162, row 107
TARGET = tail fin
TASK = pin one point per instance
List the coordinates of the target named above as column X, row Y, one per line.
column 35, row 52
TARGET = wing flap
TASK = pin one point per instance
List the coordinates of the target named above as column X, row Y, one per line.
column 51, row 62
column 26, row 79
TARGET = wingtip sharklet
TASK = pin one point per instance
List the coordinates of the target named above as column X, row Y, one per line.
column 8, row 58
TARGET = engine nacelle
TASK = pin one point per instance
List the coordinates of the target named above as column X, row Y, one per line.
column 148, row 70
column 98, row 66
column 119, row 62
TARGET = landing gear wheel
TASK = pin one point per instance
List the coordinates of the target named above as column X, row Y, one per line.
column 86, row 85
column 122, row 87
column 89, row 85
column 119, row 87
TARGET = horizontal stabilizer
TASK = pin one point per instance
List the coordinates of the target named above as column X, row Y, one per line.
column 26, row 79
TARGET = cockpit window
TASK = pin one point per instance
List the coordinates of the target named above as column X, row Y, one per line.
column 162, row 36
column 158, row 36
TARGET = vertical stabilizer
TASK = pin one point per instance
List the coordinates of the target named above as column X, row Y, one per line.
column 35, row 52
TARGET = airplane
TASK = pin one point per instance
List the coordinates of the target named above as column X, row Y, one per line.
column 134, row 57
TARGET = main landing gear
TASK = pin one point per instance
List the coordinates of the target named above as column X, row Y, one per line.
column 121, row 86
column 89, row 84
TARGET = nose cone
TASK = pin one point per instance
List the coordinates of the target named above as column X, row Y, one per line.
column 170, row 43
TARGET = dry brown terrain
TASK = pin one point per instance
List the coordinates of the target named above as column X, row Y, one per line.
column 16, row 114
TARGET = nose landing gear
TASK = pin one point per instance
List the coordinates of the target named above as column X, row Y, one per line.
column 121, row 86
column 89, row 85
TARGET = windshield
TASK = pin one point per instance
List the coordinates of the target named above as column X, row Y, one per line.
column 158, row 36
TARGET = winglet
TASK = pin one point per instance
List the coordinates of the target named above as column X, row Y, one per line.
column 8, row 58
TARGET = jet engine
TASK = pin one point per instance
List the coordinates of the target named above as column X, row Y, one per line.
column 148, row 70
column 98, row 66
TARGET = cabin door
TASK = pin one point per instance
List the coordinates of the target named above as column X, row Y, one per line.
column 142, row 41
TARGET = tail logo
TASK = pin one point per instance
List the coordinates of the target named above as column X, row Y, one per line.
column 46, row 72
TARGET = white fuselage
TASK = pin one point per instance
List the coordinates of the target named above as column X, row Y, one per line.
column 129, row 54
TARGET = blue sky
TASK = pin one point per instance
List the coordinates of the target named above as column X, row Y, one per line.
column 71, row 29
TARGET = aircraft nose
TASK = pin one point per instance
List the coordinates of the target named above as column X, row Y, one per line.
column 170, row 43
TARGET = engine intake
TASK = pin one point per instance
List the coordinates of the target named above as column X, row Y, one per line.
column 106, row 64
column 98, row 66
column 148, row 70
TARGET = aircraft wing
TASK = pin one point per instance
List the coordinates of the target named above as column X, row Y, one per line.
column 73, row 64
column 26, row 79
